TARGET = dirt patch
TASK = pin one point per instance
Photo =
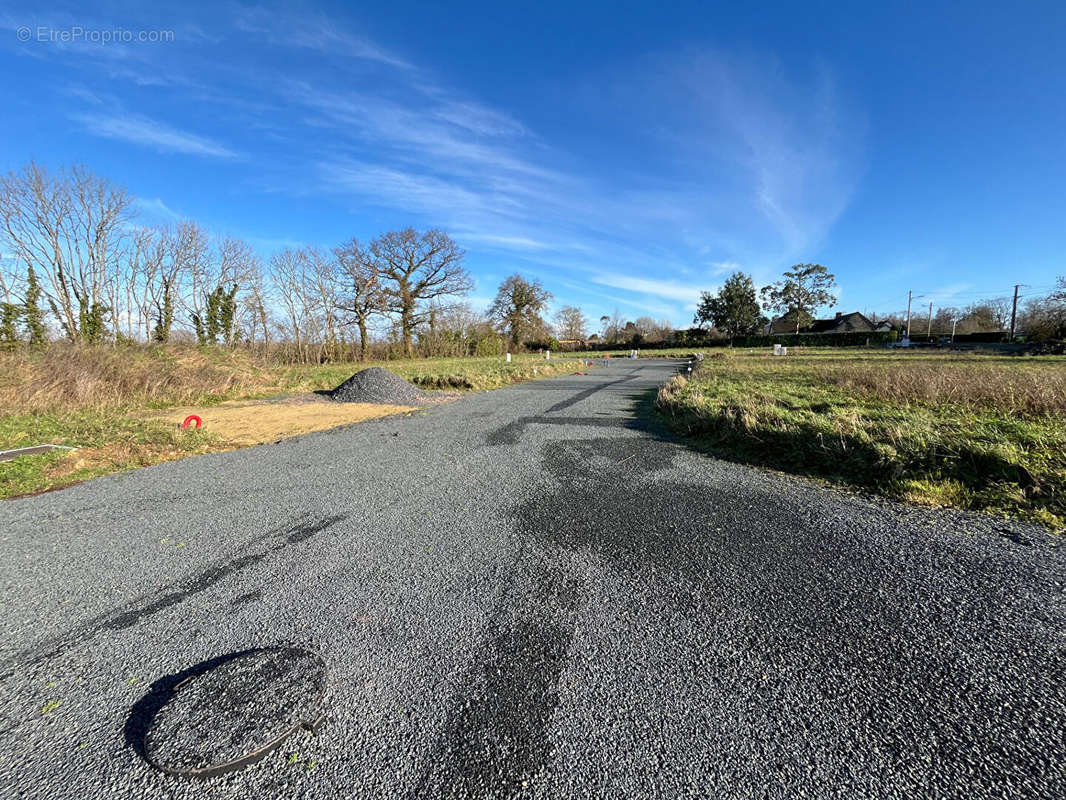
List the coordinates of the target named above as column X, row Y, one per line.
column 246, row 422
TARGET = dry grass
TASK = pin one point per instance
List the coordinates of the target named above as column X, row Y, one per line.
column 70, row 377
column 1008, row 388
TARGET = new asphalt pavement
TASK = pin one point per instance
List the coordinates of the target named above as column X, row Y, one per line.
column 532, row 592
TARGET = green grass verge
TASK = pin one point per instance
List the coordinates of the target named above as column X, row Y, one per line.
column 812, row 415
column 107, row 441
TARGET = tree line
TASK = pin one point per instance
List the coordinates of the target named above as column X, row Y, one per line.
column 76, row 265
column 735, row 309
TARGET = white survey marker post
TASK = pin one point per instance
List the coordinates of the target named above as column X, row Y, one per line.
column 508, row 358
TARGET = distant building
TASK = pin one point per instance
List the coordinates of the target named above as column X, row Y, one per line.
column 841, row 323
column 784, row 324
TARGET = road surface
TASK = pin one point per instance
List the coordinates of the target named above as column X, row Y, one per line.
column 533, row 592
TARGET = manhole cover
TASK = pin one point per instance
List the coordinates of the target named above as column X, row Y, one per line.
column 236, row 711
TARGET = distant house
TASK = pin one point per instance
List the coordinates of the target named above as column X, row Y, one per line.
column 784, row 324
column 841, row 323
column 884, row 327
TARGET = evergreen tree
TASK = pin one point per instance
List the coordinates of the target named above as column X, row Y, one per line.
column 734, row 310
column 227, row 314
column 92, row 327
column 219, row 317
column 9, row 318
column 165, row 316
column 32, row 315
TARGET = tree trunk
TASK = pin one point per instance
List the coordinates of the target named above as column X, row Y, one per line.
column 362, row 338
column 405, row 324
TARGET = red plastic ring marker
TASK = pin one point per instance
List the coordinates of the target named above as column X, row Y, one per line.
column 191, row 418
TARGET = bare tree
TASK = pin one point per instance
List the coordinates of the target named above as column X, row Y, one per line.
column 289, row 269
column 129, row 288
column 218, row 273
column 238, row 266
column 417, row 269
column 68, row 227
column 612, row 326
column 570, row 323
column 362, row 296
column 257, row 302
column 321, row 286
column 518, row 306
column 179, row 259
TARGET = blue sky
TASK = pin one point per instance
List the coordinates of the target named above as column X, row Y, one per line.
column 628, row 155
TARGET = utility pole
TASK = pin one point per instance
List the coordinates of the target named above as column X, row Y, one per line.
column 909, row 297
column 1014, row 312
column 929, row 322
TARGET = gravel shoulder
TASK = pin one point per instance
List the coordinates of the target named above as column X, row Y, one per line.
column 533, row 592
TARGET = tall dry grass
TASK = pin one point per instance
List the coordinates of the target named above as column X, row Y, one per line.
column 68, row 377
column 1006, row 388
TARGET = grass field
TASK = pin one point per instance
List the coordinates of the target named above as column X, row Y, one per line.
column 107, row 402
column 972, row 431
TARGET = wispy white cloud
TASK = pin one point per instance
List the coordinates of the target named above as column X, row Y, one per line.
column 156, row 209
column 775, row 151
column 689, row 295
column 312, row 32
column 381, row 185
column 146, row 132
column 640, row 304
column 510, row 242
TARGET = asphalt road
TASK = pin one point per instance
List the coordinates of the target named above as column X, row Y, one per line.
column 531, row 592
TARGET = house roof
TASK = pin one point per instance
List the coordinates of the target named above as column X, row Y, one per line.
column 784, row 324
column 842, row 323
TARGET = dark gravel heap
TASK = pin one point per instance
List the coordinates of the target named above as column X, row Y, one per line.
column 377, row 385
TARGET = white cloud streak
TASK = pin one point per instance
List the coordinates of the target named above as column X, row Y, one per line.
column 141, row 130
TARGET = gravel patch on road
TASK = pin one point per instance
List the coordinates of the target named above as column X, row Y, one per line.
column 531, row 593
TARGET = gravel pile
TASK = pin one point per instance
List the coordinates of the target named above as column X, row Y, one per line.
column 377, row 385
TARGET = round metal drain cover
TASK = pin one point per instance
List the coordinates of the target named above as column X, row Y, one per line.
column 232, row 714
